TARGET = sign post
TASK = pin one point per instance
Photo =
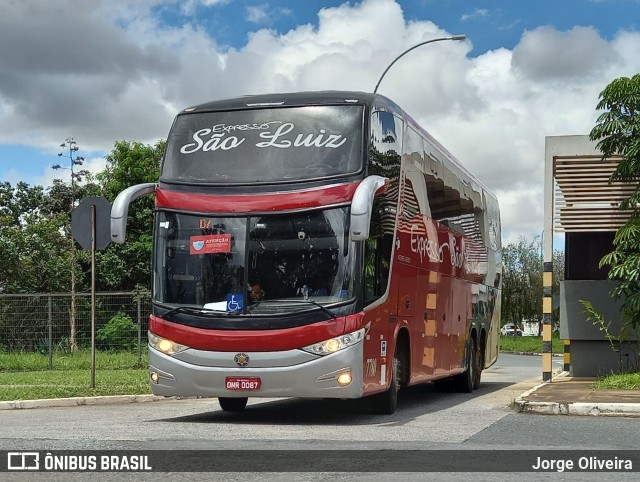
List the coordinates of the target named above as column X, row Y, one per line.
column 90, row 227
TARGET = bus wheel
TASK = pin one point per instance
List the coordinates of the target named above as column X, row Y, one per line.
column 386, row 403
column 232, row 404
column 464, row 382
column 479, row 366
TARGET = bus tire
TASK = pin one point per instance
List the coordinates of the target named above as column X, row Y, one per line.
column 232, row 404
column 386, row 403
column 464, row 382
column 479, row 366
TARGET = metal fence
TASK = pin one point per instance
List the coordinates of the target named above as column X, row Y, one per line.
column 42, row 322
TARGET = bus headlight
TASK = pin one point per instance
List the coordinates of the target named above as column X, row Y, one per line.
column 336, row 344
column 165, row 345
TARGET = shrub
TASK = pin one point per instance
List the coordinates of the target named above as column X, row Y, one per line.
column 61, row 346
column 119, row 332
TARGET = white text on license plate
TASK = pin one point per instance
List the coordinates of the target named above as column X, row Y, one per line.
column 242, row 383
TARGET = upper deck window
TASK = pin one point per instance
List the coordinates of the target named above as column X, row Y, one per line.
column 264, row 145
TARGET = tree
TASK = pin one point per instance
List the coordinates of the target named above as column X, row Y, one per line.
column 33, row 250
column 128, row 266
column 617, row 131
column 522, row 279
column 58, row 203
column 35, row 228
column 19, row 202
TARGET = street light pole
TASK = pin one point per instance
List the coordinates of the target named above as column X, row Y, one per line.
column 75, row 161
column 453, row 37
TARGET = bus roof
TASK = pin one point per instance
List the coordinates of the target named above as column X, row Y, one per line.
column 295, row 99
column 369, row 99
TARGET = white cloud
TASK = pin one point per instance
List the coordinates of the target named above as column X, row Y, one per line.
column 189, row 6
column 478, row 12
column 545, row 53
column 257, row 14
column 123, row 75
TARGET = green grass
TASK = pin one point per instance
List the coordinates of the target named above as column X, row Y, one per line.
column 81, row 359
column 25, row 376
column 528, row 344
column 625, row 381
column 72, row 383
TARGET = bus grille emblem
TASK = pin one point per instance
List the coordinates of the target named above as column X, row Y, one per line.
column 241, row 359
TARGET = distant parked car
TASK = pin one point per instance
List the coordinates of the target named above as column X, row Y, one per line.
column 511, row 329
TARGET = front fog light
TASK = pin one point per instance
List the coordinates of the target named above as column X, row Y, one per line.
column 344, row 379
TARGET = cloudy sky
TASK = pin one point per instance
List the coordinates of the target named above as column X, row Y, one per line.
column 107, row 70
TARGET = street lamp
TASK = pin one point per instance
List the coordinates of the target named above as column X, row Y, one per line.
column 453, row 37
column 74, row 160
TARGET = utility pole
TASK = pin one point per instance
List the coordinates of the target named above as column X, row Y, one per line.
column 75, row 160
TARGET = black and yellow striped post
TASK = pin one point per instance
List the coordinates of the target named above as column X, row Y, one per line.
column 547, row 321
column 567, row 355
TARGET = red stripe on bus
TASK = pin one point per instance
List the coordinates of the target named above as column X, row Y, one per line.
column 264, row 202
column 254, row 340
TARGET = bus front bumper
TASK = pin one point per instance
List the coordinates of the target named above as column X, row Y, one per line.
column 291, row 373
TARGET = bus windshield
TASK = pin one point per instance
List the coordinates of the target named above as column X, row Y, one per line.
column 257, row 264
column 264, row 145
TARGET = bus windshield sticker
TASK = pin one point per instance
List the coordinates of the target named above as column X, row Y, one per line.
column 210, row 243
column 235, row 302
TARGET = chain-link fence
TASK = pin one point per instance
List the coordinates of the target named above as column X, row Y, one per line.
column 43, row 323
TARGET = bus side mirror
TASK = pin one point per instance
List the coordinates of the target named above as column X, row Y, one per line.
column 120, row 209
column 361, row 206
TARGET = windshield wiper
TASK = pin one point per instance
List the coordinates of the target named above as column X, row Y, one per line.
column 192, row 310
column 326, row 310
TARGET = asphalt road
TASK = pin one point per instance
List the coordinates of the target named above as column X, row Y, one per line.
column 426, row 420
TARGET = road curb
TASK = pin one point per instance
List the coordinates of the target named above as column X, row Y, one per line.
column 593, row 409
column 77, row 401
column 579, row 408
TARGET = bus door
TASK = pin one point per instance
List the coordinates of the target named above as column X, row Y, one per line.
column 460, row 319
column 444, row 319
column 409, row 312
column 381, row 306
column 425, row 346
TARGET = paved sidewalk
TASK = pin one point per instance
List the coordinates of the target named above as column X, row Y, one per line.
column 566, row 395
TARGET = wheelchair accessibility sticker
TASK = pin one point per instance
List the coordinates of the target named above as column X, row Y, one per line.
column 235, row 302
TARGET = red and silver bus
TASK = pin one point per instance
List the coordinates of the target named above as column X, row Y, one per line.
column 316, row 245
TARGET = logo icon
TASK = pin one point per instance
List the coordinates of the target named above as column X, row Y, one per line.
column 198, row 245
column 23, row 460
column 241, row 359
column 235, row 302
column 372, row 367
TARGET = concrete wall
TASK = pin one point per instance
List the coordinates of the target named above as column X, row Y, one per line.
column 591, row 352
column 597, row 359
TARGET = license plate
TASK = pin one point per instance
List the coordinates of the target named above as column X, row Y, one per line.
column 243, row 383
